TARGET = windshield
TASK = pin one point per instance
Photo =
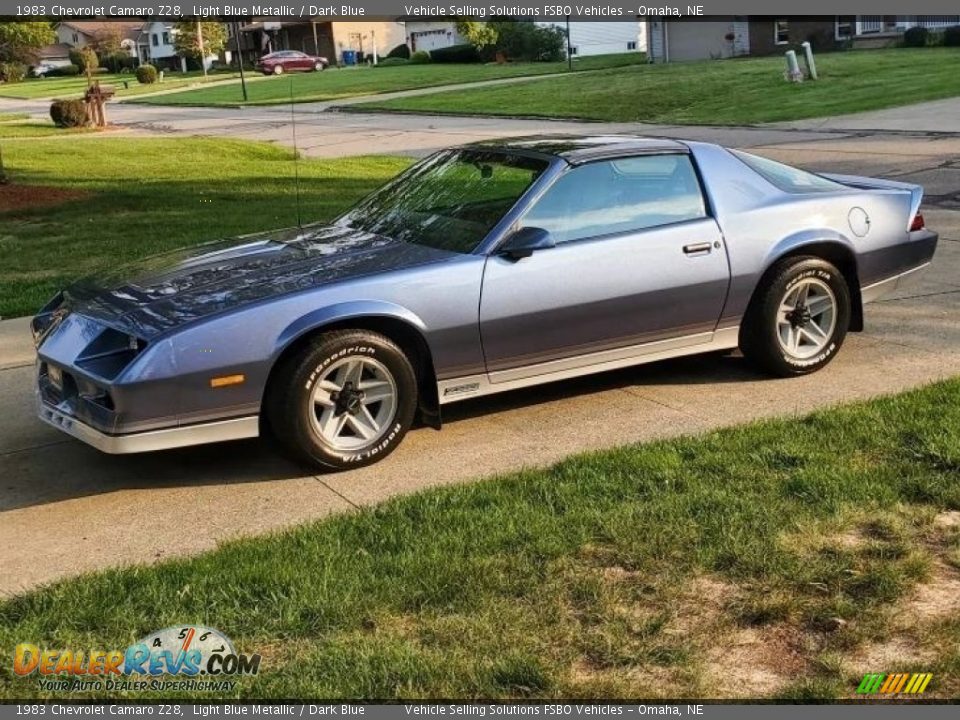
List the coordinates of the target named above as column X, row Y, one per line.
column 450, row 201
column 789, row 179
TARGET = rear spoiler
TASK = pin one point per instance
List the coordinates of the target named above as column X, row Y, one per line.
column 865, row 183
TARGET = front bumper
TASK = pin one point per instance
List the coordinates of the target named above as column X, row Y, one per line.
column 200, row 434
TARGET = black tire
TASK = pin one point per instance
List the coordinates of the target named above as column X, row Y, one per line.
column 761, row 334
column 290, row 399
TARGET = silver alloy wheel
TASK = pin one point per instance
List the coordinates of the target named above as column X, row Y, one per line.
column 278, row 69
column 806, row 318
column 318, row 67
column 353, row 404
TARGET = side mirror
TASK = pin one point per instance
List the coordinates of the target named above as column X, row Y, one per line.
column 525, row 241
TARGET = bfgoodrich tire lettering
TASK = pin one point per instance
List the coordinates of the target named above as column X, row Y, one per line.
column 344, row 401
column 798, row 318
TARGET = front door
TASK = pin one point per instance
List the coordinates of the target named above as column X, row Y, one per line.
column 638, row 260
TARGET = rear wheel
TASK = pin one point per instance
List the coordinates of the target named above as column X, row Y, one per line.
column 344, row 401
column 798, row 319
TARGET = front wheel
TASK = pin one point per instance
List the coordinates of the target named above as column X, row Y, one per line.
column 278, row 70
column 798, row 319
column 344, row 401
column 319, row 67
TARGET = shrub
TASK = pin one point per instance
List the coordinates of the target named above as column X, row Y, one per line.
column 68, row 113
column 420, row 57
column 525, row 40
column 951, row 36
column 454, row 54
column 12, row 72
column 120, row 61
column 401, row 51
column 916, row 37
column 64, row 71
column 147, row 74
column 83, row 58
column 393, row 62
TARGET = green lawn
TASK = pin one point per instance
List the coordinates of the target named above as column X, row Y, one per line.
column 728, row 92
column 6, row 117
column 35, row 128
column 778, row 558
column 69, row 87
column 334, row 84
column 145, row 196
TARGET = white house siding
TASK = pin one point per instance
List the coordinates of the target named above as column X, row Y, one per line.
column 161, row 49
column 361, row 36
column 429, row 36
column 603, row 38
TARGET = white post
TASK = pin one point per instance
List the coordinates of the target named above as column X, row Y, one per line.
column 793, row 73
column 808, row 56
column 373, row 39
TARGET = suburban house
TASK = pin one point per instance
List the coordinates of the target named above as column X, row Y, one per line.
column 604, row 38
column 682, row 39
column 80, row 34
column 315, row 37
column 586, row 38
column 148, row 41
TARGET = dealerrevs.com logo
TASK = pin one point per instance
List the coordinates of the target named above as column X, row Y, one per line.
column 200, row 658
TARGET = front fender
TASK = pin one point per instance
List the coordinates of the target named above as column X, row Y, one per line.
column 345, row 311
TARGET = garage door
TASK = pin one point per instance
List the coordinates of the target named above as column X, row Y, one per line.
column 431, row 40
column 700, row 40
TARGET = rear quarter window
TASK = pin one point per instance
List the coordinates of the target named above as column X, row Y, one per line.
column 789, row 179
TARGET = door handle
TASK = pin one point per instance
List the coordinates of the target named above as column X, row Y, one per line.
column 701, row 248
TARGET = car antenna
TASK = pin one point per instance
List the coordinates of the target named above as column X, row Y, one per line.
column 296, row 154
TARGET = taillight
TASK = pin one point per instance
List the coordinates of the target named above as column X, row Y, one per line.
column 917, row 223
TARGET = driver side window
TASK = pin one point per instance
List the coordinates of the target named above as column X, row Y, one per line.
column 617, row 196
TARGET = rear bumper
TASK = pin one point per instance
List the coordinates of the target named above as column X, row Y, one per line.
column 877, row 290
column 201, row 434
column 907, row 262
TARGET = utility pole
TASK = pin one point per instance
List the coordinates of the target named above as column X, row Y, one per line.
column 569, row 48
column 236, row 37
column 203, row 53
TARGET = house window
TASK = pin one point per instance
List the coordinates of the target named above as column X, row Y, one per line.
column 632, row 45
column 573, row 50
column 76, row 39
column 155, row 39
column 781, row 32
column 166, row 38
column 844, row 27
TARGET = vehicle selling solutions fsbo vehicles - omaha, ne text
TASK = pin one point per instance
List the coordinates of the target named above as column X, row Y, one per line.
column 483, row 268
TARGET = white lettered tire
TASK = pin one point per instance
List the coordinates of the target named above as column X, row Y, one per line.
column 798, row 318
column 344, row 401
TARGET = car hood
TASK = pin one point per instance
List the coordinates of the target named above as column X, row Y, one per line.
column 169, row 290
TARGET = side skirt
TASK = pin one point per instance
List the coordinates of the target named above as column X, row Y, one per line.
column 472, row 386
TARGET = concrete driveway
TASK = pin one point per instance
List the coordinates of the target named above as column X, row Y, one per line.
column 66, row 509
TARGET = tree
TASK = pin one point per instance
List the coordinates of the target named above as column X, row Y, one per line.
column 478, row 34
column 107, row 42
column 185, row 38
column 20, row 41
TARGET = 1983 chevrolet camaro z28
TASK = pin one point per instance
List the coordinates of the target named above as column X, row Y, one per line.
column 482, row 268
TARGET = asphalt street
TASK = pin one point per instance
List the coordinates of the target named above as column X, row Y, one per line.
column 66, row 509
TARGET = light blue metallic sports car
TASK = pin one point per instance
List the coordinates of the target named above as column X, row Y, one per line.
column 483, row 268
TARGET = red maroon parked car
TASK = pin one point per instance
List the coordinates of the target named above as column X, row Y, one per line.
column 282, row 61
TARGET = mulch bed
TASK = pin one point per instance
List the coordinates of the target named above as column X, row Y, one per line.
column 28, row 197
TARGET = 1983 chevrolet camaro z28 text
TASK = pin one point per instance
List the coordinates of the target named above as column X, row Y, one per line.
column 483, row 268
